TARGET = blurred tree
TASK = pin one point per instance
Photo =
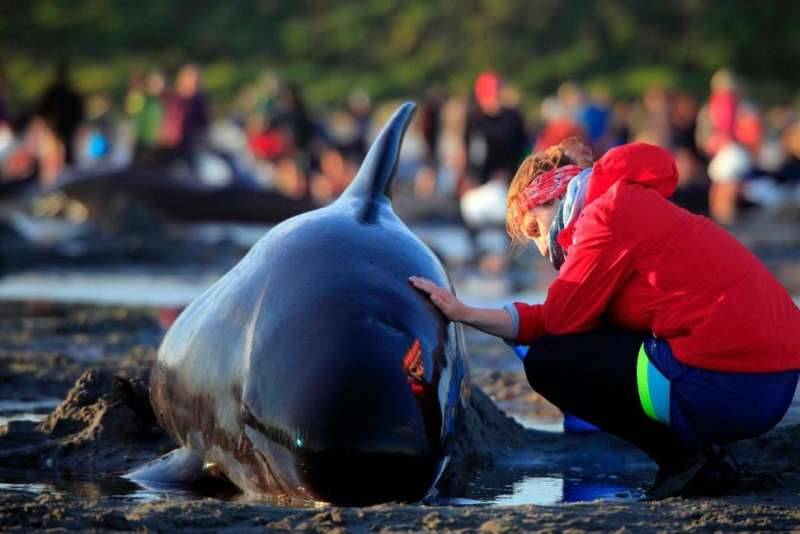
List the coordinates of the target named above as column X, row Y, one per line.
column 395, row 48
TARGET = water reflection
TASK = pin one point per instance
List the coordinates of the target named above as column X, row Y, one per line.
column 25, row 410
column 519, row 484
column 37, row 482
column 22, row 416
column 550, row 491
column 61, row 484
column 543, row 490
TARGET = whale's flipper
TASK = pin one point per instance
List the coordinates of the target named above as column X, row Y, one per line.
column 181, row 466
column 373, row 182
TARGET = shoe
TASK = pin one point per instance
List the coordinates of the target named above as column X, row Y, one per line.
column 672, row 481
column 713, row 472
column 717, row 477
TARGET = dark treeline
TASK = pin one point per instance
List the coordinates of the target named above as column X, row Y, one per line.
column 393, row 47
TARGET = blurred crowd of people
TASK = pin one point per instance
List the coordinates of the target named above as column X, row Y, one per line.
column 729, row 149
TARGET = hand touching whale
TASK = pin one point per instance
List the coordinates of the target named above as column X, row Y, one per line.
column 492, row 321
column 445, row 300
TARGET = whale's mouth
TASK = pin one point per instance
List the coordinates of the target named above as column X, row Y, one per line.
column 357, row 478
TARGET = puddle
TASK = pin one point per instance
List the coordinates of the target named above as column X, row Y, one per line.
column 24, row 416
column 528, row 478
column 506, row 486
column 26, row 410
column 551, row 491
column 38, row 483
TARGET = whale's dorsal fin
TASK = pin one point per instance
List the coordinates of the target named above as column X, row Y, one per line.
column 373, row 182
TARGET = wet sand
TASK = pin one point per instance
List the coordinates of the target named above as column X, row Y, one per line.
column 59, row 472
column 19, row 512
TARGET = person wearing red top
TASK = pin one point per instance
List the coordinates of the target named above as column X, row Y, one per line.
column 660, row 328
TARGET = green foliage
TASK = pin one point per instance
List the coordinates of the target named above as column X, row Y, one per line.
column 399, row 48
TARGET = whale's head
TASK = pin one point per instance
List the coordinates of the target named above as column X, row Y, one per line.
column 354, row 380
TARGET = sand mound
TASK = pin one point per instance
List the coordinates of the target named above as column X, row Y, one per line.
column 105, row 425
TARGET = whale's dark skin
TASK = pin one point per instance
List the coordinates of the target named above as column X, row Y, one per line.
column 313, row 369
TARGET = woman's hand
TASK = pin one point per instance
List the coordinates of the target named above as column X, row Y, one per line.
column 495, row 322
column 450, row 306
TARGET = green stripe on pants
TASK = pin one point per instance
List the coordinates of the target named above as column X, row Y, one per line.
column 642, row 365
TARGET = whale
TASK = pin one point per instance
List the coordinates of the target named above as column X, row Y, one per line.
column 112, row 194
column 313, row 370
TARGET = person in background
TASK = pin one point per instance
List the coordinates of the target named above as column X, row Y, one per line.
column 619, row 132
column 359, row 104
column 495, row 136
column 150, row 116
column 187, row 114
column 430, row 118
column 749, row 129
column 595, row 117
column 291, row 117
column 495, row 142
column 335, row 174
column 692, row 192
column 62, row 110
column 431, row 179
column 558, row 124
column 723, row 105
column 789, row 171
column 730, row 161
column 654, row 121
column 94, row 137
column 660, row 328
column 683, row 120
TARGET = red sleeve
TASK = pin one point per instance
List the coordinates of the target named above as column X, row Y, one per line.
column 598, row 263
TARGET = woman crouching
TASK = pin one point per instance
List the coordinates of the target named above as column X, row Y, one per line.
column 660, row 328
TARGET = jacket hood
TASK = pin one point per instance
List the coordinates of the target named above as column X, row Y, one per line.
column 646, row 165
column 639, row 163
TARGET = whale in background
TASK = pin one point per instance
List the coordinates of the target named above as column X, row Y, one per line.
column 313, row 369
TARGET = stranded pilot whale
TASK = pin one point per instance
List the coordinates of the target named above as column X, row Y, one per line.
column 313, row 369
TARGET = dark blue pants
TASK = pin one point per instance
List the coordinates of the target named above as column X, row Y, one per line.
column 593, row 375
column 720, row 407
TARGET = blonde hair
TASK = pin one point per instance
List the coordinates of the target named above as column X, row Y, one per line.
column 568, row 152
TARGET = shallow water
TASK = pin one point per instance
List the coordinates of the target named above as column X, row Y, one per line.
column 26, row 410
column 505, row 486
column 37, row 483
column 550, row 491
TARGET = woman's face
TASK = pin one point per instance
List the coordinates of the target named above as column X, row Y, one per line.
column 537, row 225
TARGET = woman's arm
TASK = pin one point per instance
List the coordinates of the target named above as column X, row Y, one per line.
column 600, row 261
column 495, row 322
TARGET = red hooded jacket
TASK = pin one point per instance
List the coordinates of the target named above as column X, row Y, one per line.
column 639, row 262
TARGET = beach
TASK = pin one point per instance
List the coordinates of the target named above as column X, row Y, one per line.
column 83, row 371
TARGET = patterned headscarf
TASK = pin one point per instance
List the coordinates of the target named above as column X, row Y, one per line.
column 548, row 186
